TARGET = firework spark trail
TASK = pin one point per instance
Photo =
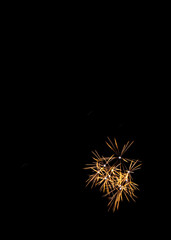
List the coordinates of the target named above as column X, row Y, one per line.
column 113, row 174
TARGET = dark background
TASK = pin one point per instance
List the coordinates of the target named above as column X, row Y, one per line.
column 71, row 92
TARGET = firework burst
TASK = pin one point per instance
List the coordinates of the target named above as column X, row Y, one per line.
column 113, row 174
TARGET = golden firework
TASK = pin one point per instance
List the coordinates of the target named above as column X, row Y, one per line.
column 114, row 174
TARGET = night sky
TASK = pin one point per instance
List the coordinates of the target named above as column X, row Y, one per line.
column 52, row 127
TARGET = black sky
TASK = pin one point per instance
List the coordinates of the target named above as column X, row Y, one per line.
column 100, row 86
